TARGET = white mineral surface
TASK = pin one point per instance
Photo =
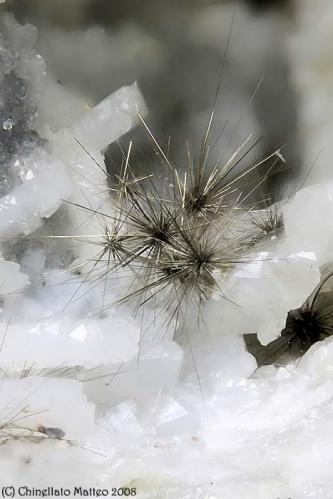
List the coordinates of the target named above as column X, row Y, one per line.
column 93, row 396
column 270, row 285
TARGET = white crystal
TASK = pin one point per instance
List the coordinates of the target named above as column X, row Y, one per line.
column 154, row 370
column 267, row 288
column 22, row 210
column 168, row 416
column 8, row 124
column 12, row 280
column 39, row 401
column 111, row 118
column 307, row 219
column 53, row 343
column 122, row 418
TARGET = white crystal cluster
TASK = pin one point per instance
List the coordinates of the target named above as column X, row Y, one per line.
column 110, row 400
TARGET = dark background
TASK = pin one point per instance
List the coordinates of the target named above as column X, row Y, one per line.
column 180, row 92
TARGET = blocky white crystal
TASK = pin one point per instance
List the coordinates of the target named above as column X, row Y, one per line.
column 111, row 118
column 271, row 285
column 307, row 219
column 153, row 371
column 51, row 343
column 48, row 402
